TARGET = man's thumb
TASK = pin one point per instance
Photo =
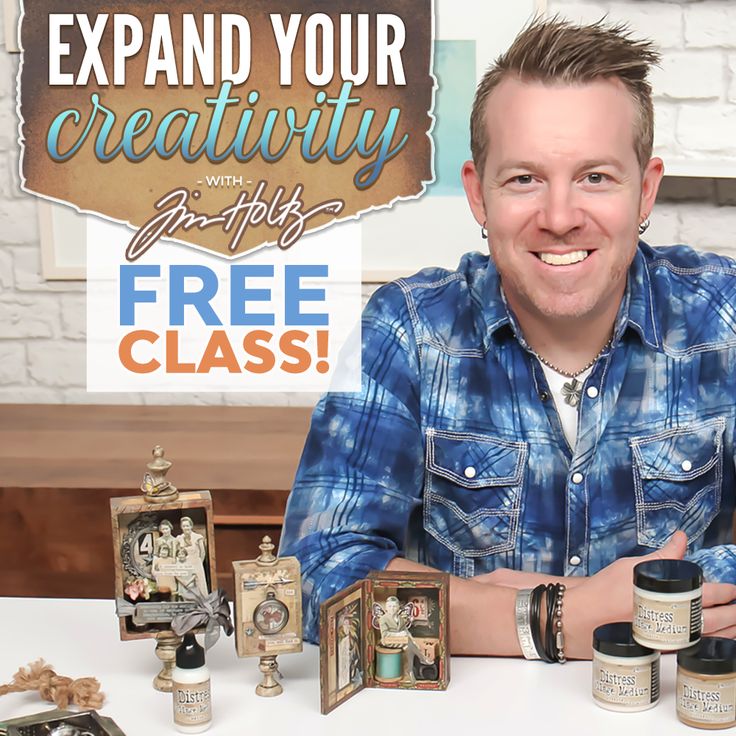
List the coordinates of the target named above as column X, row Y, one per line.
column 675, row 548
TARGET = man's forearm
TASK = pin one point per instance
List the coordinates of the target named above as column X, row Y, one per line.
column 482, row 620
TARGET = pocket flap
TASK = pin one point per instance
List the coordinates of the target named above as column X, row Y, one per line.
column 475, row 460
column 680, row 453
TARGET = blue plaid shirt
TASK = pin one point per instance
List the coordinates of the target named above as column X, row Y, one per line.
column 453, row 453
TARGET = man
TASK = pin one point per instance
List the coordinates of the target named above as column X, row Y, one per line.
column 561, row 409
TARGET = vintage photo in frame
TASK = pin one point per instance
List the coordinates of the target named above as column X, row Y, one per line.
column 164, row 559
column 390, row 630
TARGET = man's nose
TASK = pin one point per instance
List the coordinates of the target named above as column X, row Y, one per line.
column 559, row 212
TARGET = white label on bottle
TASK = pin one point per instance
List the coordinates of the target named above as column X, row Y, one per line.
column 666, row 623
column 624, row 684
column 192, row 703
column 706, row 701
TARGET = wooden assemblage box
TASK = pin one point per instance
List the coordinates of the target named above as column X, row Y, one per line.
column 390, row 630
column 268, row 607
column 163, row 550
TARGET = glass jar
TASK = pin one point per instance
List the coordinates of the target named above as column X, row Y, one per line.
column 625, row 673
column 667, row 604
column 706, row 683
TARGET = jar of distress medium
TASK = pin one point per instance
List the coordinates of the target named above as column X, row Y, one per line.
column 706, row 683
column 667, row 603
column 625, row 673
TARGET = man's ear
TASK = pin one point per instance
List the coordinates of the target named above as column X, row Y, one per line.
column 474, row 192
column 651, row 179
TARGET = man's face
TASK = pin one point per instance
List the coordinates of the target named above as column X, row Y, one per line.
column 562, row 193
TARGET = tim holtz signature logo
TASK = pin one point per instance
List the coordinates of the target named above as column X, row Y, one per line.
column 224, row 129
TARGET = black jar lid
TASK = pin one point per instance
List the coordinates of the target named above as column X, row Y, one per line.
column 616, row 640
column 668, row 576
column 712, row 655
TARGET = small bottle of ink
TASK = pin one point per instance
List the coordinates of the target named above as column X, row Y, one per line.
column 191, row 688
column 667, row 604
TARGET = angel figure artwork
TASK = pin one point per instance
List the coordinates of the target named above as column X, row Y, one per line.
column 394, row 623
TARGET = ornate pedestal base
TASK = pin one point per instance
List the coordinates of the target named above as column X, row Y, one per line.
column 269, row 686
column 166, row 644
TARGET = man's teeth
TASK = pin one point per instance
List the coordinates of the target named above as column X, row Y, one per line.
column 564, row 259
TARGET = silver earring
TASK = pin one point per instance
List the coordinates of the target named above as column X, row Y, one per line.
column 643, row 226
column 483, row 231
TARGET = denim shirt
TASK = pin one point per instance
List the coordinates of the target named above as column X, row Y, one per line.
column 452, row 454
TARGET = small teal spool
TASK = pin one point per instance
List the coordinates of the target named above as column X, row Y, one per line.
column 388, row 664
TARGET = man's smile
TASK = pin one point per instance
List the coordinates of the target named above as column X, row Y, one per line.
column 563, row 259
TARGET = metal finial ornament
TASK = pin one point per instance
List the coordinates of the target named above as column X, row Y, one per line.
column 484, row 231
column 644, row 225
column 266, row 557
column 155, row 486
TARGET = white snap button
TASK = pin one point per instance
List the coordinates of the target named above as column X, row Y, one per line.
column 470, row 472
column 592, row 392
column 577, row 477
column 575, row 560
column 687, row 466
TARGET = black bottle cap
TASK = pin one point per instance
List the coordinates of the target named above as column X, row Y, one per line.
column 189, row 655
column 712, row 655
column 668, row 576
column 616, row 640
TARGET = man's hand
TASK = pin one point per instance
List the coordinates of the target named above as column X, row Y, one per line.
column 608, row 596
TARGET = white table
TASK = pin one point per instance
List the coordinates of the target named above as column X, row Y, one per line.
column 500, row 696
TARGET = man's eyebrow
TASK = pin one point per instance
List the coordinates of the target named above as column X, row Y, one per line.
column 514, row 164
column 597, row 163
column 593, row 163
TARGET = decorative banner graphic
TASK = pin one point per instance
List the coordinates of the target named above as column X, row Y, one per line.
column 247, row 124
column 184, row 320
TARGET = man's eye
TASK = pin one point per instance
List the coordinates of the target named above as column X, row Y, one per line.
column 522, row 179
column 596, row 177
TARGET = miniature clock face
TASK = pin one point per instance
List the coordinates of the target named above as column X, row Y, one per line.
column 271, row 615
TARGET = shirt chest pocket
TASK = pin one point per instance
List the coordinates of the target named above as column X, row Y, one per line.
column 677, row 480
column 473, row 490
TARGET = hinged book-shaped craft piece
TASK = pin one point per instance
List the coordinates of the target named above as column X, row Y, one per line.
column 390, row 630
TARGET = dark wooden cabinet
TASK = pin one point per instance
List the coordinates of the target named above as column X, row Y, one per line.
column 60, row 465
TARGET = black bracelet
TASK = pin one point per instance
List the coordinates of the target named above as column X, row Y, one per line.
column 535, row 622
column 554, row 640
column 549, row 631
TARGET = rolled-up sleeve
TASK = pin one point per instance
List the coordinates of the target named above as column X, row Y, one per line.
column 718, row 563
column 361, row 472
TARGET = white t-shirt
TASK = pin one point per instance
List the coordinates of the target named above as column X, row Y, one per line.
column 568, row 414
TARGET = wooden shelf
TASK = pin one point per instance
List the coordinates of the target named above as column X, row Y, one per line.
column 60, row 465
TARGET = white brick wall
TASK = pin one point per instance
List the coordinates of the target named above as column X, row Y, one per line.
column 42, row 325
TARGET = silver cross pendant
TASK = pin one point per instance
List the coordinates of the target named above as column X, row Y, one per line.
column 572, row 392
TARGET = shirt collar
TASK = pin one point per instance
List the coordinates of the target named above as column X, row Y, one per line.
column 636, row 310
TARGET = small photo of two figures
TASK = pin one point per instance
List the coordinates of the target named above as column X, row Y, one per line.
column 165, row 557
